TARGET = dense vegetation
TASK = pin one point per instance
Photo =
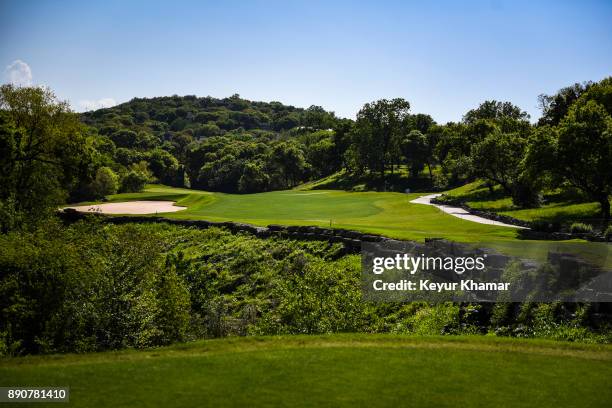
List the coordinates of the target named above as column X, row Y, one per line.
column 91, row 287
column 230, row 144
column 235, row 145
column 94, row 287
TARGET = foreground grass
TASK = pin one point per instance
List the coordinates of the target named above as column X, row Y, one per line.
column 338, row 370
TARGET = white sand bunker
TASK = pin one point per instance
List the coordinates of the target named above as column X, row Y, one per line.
column 131, row 207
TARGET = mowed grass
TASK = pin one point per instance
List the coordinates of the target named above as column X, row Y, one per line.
column 333, row 370
column 389, row 214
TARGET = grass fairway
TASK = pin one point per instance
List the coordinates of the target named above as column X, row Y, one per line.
column 334, row 370
column 389, row 214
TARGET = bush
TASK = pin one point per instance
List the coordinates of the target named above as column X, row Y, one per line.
column 93, row 287
column 105, row 183
column 608, row 233
column 580, row 228
column 525, row 195
column 436, row 320
column 440, row 181
column 545, row 226
column 133, row 182
column 87, row 288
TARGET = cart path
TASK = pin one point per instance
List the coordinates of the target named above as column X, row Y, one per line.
column 460, row 212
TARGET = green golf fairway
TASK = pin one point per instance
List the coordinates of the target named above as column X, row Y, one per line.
column 389, row 214
column 334, row 370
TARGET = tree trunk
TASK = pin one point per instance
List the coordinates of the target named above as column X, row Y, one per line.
column 605, row 207
column 430, row 173
column 506, row 187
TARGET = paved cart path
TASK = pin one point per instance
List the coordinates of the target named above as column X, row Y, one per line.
column 460, row 212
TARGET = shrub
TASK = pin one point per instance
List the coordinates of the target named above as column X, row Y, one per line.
column 608, row 233
column 133, row 182
column 105, row 183
column 87, row 288
column 92, row 287
column 546, row 226
column 440, row 181
column 436, row 320
column 525, row 195
column 580, row 228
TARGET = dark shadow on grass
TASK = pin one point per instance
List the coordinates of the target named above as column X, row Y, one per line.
column 395, row 182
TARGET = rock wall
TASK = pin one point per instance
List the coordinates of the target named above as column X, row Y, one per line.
column 350, row 239
column 352, row 242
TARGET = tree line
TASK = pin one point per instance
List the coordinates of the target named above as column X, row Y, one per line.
column 50, row 155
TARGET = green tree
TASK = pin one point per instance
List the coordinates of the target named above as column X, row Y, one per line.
column 414, row 149
column 254, row 178
column 321, row 157
column 316, row 117
column 378, row 132
column 136, row 177
column 555, row 107
column 422, row 122
column 134, row 181
column 579, row 150
column 432, row 137
column 495, row 110
column 342, row 141
column 289, row 161
column 584, row 151
column 45, row 154
column 105, row 183
column 498, row 158
column 164, row 166
column 125, row 138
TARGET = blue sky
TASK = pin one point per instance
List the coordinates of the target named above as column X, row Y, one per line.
column 444, row 57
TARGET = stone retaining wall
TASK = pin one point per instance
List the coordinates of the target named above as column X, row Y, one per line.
column 349, row 238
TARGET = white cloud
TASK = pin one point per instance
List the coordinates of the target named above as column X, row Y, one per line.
column 18, row 73
column 88, row 105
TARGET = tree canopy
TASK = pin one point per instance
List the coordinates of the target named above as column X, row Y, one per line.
column 45, row 154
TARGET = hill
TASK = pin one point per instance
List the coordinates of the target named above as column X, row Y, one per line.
column 204, row 116
column 230, row 144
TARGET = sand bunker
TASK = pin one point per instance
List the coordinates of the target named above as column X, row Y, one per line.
column 131, row 207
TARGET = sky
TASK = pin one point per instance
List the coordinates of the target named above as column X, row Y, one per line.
column 444, row 57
